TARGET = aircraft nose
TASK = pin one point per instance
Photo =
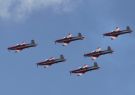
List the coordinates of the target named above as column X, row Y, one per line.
column 70, row 72
column 104, row 34
column 57, row 41
column 85, row 55
column 9, row 48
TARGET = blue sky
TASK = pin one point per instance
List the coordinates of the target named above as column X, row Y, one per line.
column 47, row 20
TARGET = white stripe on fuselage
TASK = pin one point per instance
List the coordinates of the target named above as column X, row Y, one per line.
column 65, row 44
column 113, row 37
column 94, row 58
column 17, row 50
column 79, row 74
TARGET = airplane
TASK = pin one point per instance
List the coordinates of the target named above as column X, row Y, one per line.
column 66, row 40
column 82, row 70
column 114, row 34
column 19, row 47
column 48, row 62
column 98, row 52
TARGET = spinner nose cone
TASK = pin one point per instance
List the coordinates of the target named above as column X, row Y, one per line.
column 70, row 72
column 105, row 34
column 56, row 41
column 10, row 48
column 85, row 55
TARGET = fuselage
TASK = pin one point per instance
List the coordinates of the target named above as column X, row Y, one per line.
column 50, row 62
column 96, row 54
column 117, row 33
column 83, row 70
column 67, row 40
column 21, row 47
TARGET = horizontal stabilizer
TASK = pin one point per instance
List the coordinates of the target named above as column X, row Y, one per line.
column 62, row 56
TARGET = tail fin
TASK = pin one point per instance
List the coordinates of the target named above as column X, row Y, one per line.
column 109, row 48
column 95, row 64
column 33, row 42
column 129, row 29
column 62, row 56
column 80, row 35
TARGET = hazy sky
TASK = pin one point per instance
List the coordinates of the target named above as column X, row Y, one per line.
column 48, row 20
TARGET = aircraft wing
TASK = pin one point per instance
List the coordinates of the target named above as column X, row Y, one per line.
column 113, row 37
column 93, row 58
